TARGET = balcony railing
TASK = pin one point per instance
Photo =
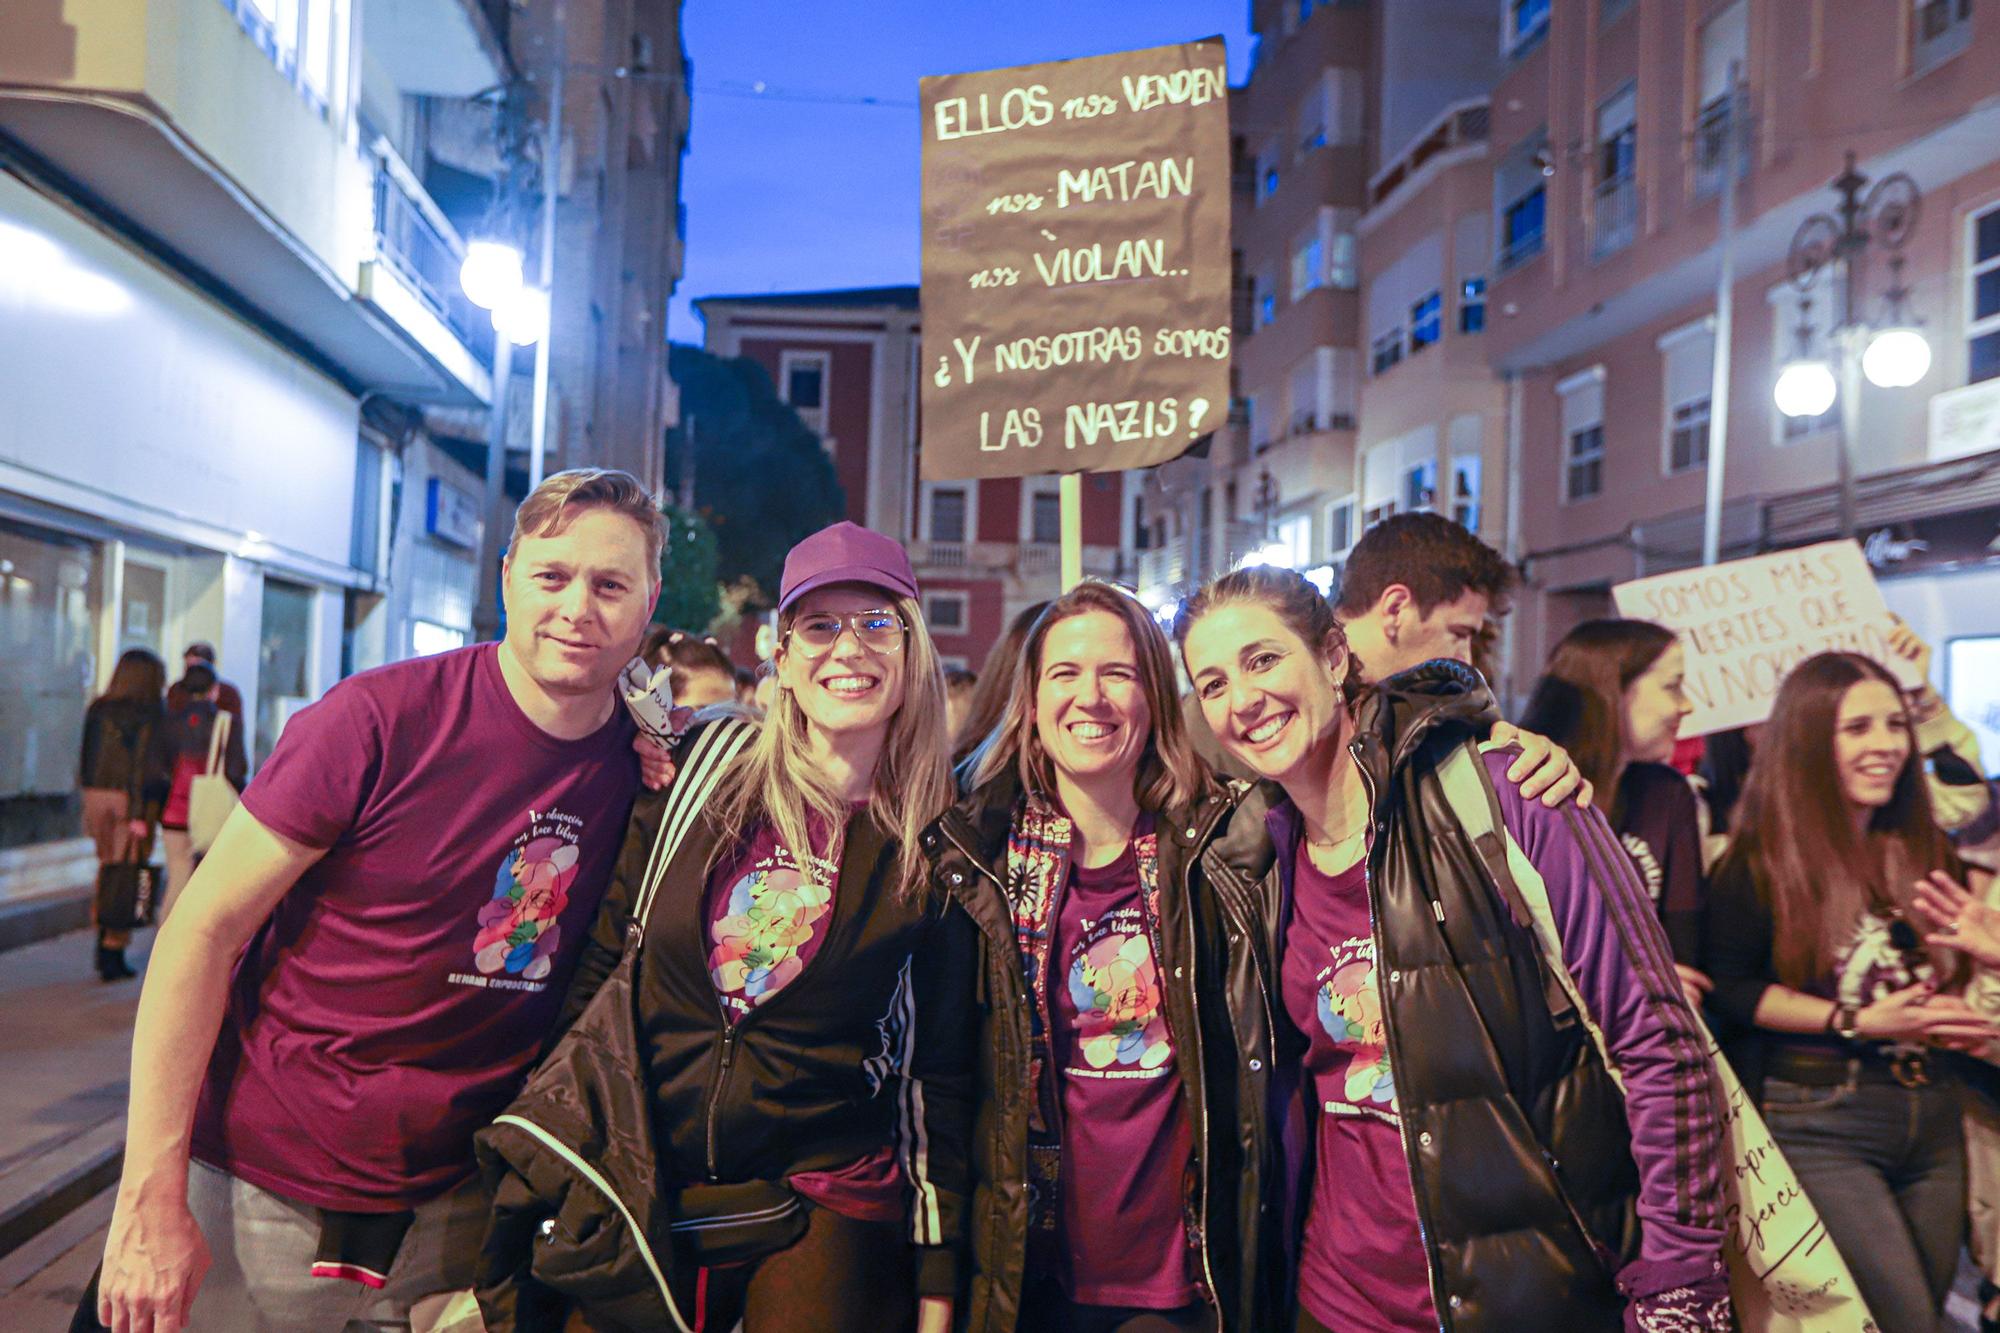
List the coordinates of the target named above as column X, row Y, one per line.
column 1711, row 149
column 1617, row 216
column 1521, row 249
column 1164, row 568
column 419, row 242
column 1465, row 123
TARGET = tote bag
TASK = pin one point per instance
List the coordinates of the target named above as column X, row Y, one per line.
column 211, row 796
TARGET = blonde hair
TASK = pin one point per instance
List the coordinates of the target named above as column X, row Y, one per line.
column 551, row 506
column 1171, row 774
column 777, row 779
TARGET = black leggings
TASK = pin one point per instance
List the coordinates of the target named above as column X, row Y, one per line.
column 842, row 1276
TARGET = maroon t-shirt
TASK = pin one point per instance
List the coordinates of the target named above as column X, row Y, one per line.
column 398, row 994
column 1121, row 1238
column 1361, row 1268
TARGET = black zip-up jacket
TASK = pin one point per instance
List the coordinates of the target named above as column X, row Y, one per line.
column 1515, row 1131
column 858, row 1052
column 1218, row 984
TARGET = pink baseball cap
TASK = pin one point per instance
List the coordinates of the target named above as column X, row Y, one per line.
column 846, row 553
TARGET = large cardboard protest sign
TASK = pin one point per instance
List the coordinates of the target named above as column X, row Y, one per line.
column 1745, row 623
column 1076, row 263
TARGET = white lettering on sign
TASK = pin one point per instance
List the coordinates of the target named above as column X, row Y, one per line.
column 1746, row 623
column 1166, row 179
column 1015, row 109
column 1085, row 263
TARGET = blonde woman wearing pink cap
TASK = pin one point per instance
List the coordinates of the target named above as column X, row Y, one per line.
column 795, row 1022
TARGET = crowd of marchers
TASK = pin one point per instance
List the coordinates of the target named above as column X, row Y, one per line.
column 1249, row 973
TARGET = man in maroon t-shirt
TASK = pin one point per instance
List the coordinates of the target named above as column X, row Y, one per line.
column 370, row 958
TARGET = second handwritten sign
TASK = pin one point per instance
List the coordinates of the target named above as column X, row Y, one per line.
column 1076, row 263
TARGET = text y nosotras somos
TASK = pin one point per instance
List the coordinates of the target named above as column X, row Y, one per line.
column 1045, row 351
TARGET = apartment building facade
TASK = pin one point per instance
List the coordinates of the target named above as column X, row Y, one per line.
column 246, row 396
column 847, row 362
column 1610, row 133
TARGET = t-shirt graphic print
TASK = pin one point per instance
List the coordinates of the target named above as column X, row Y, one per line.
column 520, row 927
column 1114, row 995
column 1349, row 1006
column 767, row 917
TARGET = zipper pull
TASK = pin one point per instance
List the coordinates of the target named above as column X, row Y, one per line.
column 1437, row 910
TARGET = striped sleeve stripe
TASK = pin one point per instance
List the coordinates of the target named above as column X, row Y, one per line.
column 926, row 1220
column 1695, row 1112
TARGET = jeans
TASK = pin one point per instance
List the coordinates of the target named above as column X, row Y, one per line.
column 1885, row 1167
column 263, row 1244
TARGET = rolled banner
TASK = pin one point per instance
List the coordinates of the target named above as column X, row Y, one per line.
column 649, row 698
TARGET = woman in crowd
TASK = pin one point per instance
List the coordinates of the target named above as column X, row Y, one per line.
column 1124, row 1019
column 800, row 1027
column 1612, row 696
column 121, row 797
column 181, row 749
column 995, row 685
column 1809, row 941
column 1477, row 1164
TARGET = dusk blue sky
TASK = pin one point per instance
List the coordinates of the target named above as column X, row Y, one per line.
column 787, row 195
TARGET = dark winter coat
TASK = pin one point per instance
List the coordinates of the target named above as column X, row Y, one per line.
column 1217, row 984
column 120, row 753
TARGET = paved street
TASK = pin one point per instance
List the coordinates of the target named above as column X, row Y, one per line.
column 64, row 1048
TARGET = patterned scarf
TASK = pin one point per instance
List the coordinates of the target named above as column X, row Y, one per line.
column 1038, row 845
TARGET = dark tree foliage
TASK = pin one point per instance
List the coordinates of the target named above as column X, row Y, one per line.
column 762, row 480
column 690, row 591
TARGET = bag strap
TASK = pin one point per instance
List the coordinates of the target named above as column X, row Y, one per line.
column 218, row 736
column 715, row 746
column 1476, row 807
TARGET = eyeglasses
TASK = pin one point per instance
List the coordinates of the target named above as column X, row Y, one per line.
column 879, row 631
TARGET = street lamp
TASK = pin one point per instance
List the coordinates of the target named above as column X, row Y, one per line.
column 491, row 278
column 490, row 273
column 1893, row 357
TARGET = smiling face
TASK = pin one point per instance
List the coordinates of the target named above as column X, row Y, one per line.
column 1655, row 703
column 1871, row 743
column 849, row 689
column 1091, row 715
column 578, row 601
column 1271, row 700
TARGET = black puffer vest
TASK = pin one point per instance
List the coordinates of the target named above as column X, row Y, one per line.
column 1514, row 1130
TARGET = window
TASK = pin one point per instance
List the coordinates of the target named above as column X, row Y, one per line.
column 1939, row 30
column 1583, row 433
column 945, row 612
column 306, row 40
column 1260, row 422
column 1724, row 43
column 1585, row 475
column 1617, row 201
column 1420, row 485
column 1520, row 200
column 1527, row 22
column 802, row 383
column 1688, row 372
column 948, row 514
column 1308, row 264
column 1426, row 322
column 1465, row 491
column 1045, row 518
column 1386, row 351
column 1984, row 362
column 1472, row 305
column 1339, row 528
column 1266, row 291
column 1345, row 271
column 1267, row 174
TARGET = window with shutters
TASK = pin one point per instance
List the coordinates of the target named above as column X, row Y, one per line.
column 1583, row 434
column 1984, row 361
column 1687, row 371
column 1724, row 43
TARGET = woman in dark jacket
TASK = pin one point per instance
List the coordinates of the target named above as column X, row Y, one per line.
column 122, row 791
column 1814, row 954
column 1124, row 1021
column 1477, row 1166
column 798, row 1038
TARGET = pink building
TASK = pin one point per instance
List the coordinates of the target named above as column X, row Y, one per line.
column 847, row 362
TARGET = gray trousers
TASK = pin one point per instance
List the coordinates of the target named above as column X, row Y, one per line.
column 1885, row 1166
column 262, row 1245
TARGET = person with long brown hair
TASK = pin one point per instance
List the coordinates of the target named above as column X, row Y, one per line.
column 1812, row 949
column 1611, row 694
column 1124, row 1023
column 122, row 791
column 1512, row 1119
